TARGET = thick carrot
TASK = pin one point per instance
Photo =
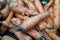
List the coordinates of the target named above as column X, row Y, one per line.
column 5, row 11
column 56, row 13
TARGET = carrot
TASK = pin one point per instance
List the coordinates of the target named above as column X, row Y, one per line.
column 22, row 36
column 7, row 38
column 35, row 34
column 8, row 19
column 39, row 6
column 5, row 11
column 48, row 5
column 46, row 35
column 56, row 13
column 52, row 35
column 30, row 4
column 21, row 17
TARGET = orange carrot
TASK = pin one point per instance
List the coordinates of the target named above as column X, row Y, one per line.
column 52, row 35
column 48, row 5
column 39, row 6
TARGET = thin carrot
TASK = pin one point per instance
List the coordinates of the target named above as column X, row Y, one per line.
column 48, row 5
column 39, row 6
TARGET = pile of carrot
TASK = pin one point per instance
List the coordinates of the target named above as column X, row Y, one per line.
column 29, row 20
